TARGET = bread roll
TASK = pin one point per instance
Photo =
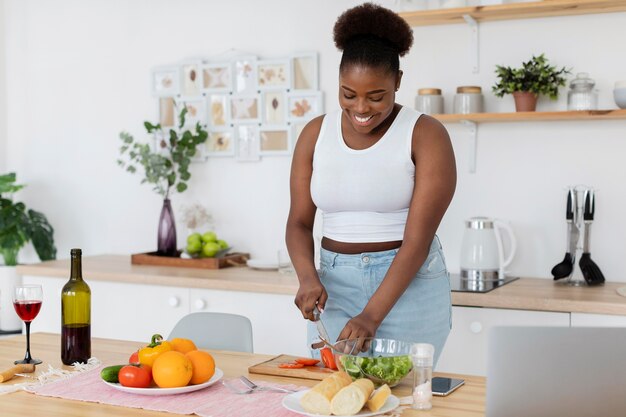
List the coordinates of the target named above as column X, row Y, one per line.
column 378, row 398
column 352, row 398
column 317, row 399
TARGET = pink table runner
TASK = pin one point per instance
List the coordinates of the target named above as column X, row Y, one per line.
column 214, row 401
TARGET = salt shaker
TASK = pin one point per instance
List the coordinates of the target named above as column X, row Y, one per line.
column 422, row 357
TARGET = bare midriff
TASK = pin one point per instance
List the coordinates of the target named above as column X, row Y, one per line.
column 354, row 248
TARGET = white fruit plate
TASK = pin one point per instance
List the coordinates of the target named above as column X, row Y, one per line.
column 262, row 264
column 168, row 391
column 292, row 403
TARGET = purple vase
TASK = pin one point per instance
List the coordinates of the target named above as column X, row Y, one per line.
column 167, row 231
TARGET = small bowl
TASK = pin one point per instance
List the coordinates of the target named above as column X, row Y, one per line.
column 619, row 94
column 383, row 361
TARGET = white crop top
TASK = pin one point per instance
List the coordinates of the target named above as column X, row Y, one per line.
column 364, row 195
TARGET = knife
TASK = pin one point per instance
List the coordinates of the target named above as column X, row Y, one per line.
column 11, row 372
column 572, row 223
column 321, row 330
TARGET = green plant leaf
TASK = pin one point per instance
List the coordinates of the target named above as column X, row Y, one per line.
column 7, row 183
column 42, row 236
column 181, row 186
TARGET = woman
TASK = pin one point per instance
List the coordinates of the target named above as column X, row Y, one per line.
column 383, row 176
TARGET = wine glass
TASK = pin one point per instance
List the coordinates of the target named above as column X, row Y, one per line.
column 27, row 302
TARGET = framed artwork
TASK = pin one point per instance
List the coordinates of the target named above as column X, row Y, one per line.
column 274, row 107
column 274, row 74
column 245, row 108
column 275, row 140
column 196, row 110
column 245, row 74
column 192, row 80
column 219, row 109
column 248, row 148
column 217, row 77
column 304, row 74
column 304, row 105
column 220, row 142
column 166, row 81
column 167, row 112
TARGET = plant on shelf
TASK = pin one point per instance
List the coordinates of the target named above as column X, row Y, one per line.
column 166, row 167
column 535, row 77
column 19, row 226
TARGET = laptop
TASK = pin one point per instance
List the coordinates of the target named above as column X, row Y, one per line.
column 556, row 372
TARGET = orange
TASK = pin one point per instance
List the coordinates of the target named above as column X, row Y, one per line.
column 182, row 345
column 203, row 366
column 172, row 369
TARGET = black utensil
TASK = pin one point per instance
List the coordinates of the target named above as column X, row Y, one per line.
column 591, row 271
column 565, row 268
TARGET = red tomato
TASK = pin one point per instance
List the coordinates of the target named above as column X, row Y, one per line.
column 307, row 361
column 135, row 376
column 134, row 358
column 328, row 359
column 290, row 365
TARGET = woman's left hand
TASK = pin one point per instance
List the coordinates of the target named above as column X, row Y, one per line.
column 359, row 327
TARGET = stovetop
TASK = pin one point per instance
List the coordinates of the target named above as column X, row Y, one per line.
column 463, row 285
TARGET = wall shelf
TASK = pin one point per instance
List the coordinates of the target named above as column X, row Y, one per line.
column 533, row 116
column 513, row 11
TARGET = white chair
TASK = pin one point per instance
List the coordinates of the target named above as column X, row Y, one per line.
column 219, row 331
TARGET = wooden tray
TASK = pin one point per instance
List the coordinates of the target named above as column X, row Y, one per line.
column 151, row 258
column 270, row 367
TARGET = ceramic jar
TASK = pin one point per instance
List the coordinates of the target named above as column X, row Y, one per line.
column 468, row 99
column 429, row 101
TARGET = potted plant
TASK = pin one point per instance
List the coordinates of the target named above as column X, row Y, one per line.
column 166, row 167
column 18, row 226
column 535, row 77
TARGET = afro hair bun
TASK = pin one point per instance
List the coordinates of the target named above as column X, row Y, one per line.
column 370, row 19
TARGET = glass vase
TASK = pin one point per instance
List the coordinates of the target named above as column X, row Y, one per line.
column 167, row 231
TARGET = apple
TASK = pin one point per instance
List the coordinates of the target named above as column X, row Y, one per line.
column 194, row 246
column 209, row 237
column 210, row 249
column 222, row 243
column 194, row 237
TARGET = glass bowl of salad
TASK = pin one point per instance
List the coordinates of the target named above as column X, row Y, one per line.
column 383, row 361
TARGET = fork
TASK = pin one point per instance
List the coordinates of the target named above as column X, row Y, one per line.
column 255, row 387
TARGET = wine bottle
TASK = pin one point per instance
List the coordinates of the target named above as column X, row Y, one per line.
column 75, row 315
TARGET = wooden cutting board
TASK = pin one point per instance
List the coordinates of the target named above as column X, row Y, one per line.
column 270, row 367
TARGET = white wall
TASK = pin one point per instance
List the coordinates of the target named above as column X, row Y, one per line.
column 3, row 96
column 78, row 73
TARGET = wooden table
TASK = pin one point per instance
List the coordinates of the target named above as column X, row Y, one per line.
column 468, row 401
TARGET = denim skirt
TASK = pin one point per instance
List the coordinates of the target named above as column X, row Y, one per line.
column 423, row 314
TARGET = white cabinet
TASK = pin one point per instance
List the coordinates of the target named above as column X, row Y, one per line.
column 277, row 325
column 465, row 351
column 597, row 320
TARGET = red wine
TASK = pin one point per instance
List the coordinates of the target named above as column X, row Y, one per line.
column 27, row 309
column 75, row 338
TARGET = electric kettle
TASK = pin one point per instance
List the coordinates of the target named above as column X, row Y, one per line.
column 482, row 251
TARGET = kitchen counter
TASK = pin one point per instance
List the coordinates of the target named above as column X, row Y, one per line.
column 523, row 294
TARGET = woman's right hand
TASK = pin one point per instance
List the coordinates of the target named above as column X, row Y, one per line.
column 311, row 293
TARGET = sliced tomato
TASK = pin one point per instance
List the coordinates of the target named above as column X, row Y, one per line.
column 307, row 361
column 135, row 376
column 290, row 365
column 328, row 359
column 134, row 358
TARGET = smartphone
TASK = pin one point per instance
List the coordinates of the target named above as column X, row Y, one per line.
column 444, row 386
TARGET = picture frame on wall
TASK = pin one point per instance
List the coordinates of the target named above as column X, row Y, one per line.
column 274, row 74
column 191, row 79
column 304, row 105
column 304, row 71
column 220, row 142
column 275, row 140
column 165, row 81
column 245, row 108
column 167, row 112
column 248, row 146
column 218, row 107
column 245, row 74
column 217, row 77
column 274, row 107
column 196, row 110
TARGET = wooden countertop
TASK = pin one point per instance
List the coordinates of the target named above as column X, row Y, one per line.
column 524, row 294
column 467, row 401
